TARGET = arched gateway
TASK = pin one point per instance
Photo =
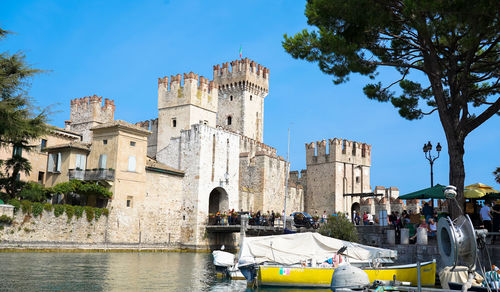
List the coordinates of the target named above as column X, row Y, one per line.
column 218, row 201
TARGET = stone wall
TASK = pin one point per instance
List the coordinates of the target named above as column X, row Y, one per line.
column 7, row 210
column 210, row 159
column 336, row 168
column 47, row 229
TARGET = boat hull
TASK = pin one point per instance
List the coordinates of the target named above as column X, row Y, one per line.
column 322, row 277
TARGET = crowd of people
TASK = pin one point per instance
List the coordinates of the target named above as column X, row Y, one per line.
column 231, row 217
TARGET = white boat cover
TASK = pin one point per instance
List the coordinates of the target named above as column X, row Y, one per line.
column 223, row 259
column 290, row 249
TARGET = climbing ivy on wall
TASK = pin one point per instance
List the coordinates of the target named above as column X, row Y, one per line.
column 36, row 209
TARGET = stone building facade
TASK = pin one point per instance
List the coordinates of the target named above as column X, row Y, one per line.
column 203, row 153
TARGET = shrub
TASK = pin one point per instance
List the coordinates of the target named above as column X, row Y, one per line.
column 15, row 203
column 5, row 219
column 105, row 211
column 89, row 211
column 58, row 210
column 339, row 227
column 26, row 206
column 78, row 211
column 70, row 211
column 97, row 213
column 37, row 209
column 33, row 192
column 48, row 207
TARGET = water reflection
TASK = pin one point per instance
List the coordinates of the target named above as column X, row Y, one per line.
column 114, row 272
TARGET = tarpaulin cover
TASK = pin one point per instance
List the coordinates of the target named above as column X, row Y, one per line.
column 289, row 249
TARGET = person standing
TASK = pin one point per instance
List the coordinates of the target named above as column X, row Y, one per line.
column 485, row 214
column 365, row 218
column 324, row 217
column 495, row 211
column 427, row 211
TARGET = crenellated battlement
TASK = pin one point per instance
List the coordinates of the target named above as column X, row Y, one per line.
column 87, row 112
column 339, row 150
column 244, row 74
column 195, row 90
column 148, row 124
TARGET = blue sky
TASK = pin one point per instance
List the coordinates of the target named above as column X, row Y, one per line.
column 118, row 49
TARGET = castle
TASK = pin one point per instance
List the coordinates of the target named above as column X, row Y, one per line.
column 203, row 153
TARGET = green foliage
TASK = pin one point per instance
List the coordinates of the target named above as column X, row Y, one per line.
column 97, row 213
column 82, row 188
column 48, row 207
column 37, row 209
column 70, row 211
column 26, row 206
column 339, row 227
column 33, row 192
column 78, row 211
column 15, row 203
column 19, row 123
column 6, row 219
column 105, row 211
column 58, row 210
column 453, row 45
column 89, row 212
column 496, row 173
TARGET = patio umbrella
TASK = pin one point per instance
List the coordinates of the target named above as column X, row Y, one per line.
column 478, row 190
column 436, row 192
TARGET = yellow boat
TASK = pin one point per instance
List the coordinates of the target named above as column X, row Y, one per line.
column 322, row 277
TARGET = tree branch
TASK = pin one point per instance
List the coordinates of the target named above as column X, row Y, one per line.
column 488, row 113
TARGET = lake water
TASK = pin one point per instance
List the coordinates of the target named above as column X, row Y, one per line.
column 113, row 272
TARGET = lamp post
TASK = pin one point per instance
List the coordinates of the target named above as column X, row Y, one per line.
column 428, row 155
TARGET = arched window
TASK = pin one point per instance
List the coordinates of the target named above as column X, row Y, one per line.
column 229, row 120
column 250, row 97
column 231, row 98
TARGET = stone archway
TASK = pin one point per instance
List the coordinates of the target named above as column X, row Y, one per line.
column 218, row 201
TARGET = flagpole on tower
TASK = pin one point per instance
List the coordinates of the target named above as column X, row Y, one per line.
column 240, row 51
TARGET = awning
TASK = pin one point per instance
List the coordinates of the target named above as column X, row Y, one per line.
column 436, row 192
column 479, row 190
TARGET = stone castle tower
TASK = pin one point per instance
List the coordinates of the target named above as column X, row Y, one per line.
column 332, row 177
column 183, row 105
column 88, row 112
column 242, row 90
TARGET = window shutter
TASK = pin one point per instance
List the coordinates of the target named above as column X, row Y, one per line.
column 59, row 160
column 102, row 160
column 131, row 163
column 51, row 162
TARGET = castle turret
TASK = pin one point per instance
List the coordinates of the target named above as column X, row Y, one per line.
column 335, row 174
column 182, row 105
column 88, row 112
column 242, row 90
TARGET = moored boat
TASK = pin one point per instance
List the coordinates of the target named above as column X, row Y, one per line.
column 291, row 276
column 225, row 266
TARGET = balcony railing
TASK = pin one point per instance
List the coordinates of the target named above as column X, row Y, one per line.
column 92, row 174
column 78, row 174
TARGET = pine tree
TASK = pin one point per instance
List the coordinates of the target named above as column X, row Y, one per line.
column 453, row 44
column 19, row 124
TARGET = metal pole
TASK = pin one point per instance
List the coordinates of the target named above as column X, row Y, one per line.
column 286, row 179
column 419, row 281
column 432, row 182
column 432, row 174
